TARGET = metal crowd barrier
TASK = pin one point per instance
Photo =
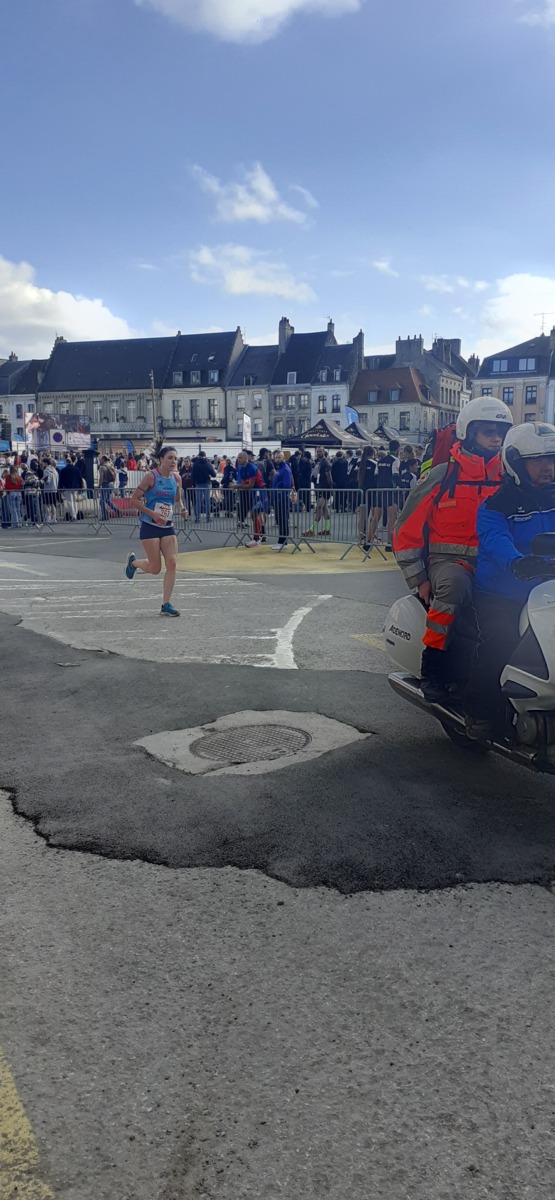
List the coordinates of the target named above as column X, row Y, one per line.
column 309, row 517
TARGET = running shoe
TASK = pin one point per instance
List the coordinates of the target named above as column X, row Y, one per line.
column 167, row 610
column 130, row 569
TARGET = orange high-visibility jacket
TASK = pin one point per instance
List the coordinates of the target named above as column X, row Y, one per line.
column 439, row 517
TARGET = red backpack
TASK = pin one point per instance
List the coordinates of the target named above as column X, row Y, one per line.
column 439, row 448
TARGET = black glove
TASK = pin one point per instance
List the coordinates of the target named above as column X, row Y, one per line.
column 533, row 567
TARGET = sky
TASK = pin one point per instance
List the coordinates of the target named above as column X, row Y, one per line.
column 207, row 164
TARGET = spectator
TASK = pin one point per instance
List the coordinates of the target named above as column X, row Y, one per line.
column 32, row 498
column 250, row 485
column 294, row 464
column 187, row 481
column 50, row 483
column 106, row 481
column 321, row 475
column 340, row 476
column 13, row 486
column 202, row 473
column 131, row 463
column 282, row 482
column 229, row 476
column 304, row 485
column 71, row 482
column 366, row 480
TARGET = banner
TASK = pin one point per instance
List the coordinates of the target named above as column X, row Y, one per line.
column 57, row 431
column 351, row 415
column 247, row 432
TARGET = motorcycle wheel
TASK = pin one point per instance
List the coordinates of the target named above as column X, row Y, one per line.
column 462, row 741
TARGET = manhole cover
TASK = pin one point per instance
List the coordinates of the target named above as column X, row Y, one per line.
column 252, row 743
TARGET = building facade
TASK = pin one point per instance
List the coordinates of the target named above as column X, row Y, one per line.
column 396, row 397
column 522, row 377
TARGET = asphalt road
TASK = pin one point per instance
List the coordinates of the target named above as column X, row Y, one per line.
column 331, row 980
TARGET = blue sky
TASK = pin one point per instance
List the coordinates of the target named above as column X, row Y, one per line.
column 202, row 164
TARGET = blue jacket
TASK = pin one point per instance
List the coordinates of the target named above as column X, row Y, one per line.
column 507, row 524
column 283, row 479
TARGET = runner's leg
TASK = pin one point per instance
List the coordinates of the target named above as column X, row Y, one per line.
column 152, row 564
column 168, row 547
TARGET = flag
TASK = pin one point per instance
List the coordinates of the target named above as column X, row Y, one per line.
column 351, row 415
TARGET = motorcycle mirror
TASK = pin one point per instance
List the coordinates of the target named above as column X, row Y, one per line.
column 544, row 545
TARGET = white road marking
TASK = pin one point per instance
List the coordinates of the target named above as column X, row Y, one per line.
column 284, row 658
column 17, row 567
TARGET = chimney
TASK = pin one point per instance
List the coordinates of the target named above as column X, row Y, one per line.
column 474, row 361
column 284, row 333
column 13, row 357
column 58, row 339
column 330, row 338
column 408, row 350
column 358, row 343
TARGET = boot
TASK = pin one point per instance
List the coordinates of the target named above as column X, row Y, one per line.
column 432, row 683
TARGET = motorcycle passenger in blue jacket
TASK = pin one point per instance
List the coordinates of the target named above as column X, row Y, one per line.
column 507, row 569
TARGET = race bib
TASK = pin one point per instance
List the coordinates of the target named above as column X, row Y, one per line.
column 164, row 510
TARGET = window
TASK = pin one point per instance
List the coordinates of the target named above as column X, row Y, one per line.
column 178, row 379
column 213, row 376
column 291, row 429
column 304, row 400
column 279, row 428
column 530, row 395
column 323, row 375
column 97, row 411
column 176, row 410
column 81, row 407
column 212, row 409
column 337, row 375
column 47, row 408
column 526, row 364
column 404, row 422
column 195, row 410
column 363, row 418
column 149, row 413
column 194, row 358
column 241, row 400
column 248, row 380
column 529, row 416
column 394, row 395
column 19, row 411
column 278, row 401
column 195, row 378
column 31, row 407
column 291, row 401
column 487, row 391
column 336, row 404
column 303, row 425
column 257, row 425
column 508, row 395
column 257, row 400
column 114, row 412
column 382, row 418
column 240, row 425
column 373, row 396
column 322, row 404
column 502, row 364
column 291, row 377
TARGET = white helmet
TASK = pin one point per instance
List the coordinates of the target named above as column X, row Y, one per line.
column 483, row 408
column 532, row 440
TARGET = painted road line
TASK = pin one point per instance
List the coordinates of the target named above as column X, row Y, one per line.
column 16, row 567
column 19, row 1155
column 375, row 640
column 283, row 657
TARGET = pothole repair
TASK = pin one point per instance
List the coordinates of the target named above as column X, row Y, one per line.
column 250, row 743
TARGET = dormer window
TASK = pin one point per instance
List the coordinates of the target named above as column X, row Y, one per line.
column 178, row 379
column 291, row 377
column 323, row 375
column 394, row 395
column 194, row 358
column 195, row 378
column 248, row 380
column 337, row 375
column 373, row 395
column 213, row 376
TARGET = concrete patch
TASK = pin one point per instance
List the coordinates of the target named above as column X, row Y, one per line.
column 175, row 747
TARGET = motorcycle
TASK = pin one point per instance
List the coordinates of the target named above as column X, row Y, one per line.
column 527, row 681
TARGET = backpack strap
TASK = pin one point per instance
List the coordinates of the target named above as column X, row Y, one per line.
column 449, row 482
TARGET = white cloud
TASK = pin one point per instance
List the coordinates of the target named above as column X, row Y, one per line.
column 445, row 284
column 309, row 199
column 384, row 265
column 31, row 316
column 425, row 311
column 437, row 283
column 256, row 199
column 544, row 16
column 512, row 314
column 244, row 20
column 241, row 271
column 146, row 266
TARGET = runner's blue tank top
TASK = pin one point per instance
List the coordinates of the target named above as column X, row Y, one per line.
column 160, row 497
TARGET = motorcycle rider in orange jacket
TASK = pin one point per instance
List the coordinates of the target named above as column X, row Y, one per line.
column 435, row 540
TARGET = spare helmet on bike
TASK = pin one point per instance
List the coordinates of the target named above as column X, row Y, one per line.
column 482, row 409
column 535, row 439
